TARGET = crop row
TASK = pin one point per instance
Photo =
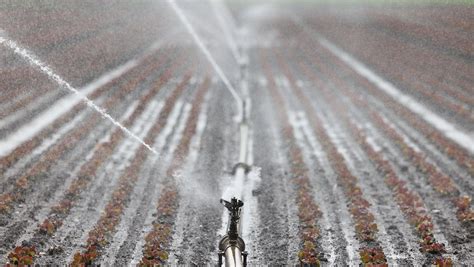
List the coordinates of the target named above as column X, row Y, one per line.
column 84, row 24
column 447, row 146
column 439, row 75
column 30, row 81
column 98, row 237
column 409, row 202
column 94, row 49
column 428, row 89
column 30, row 97
column 428, row 34
column 56, row 31
column 91, row 62
column 27, row 147
column 447, row 88
column 425, row 91
column 384, row 46
column 17, row 100
column 444, row 17
column 440, row 181
column 39, row 169
column 15, row 78
column 435, row 60
column 365, row 226
column 57, row 38
column 442, row 88
column 405, row 198
column 158, row 239
column 308, row 210
column 88, row 170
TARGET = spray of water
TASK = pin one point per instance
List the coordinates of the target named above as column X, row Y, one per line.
column 179, row 12
column 231, row 42
column 33, row 60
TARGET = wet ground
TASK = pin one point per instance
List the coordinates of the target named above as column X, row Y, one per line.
column 361, row 121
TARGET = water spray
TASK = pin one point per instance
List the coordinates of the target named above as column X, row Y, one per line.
column 225, row 28
column 33, row 60
column 179, row 12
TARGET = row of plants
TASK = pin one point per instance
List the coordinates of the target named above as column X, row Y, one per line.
column 27, row 147
column 453, row 40
column 96, row 61
column 102, row 153
column 157, row 241
column 15, row 78
column 461, row 96
column 40, row 168
column 308, row 211
column 441, row 182
column 424, row 64
column 56, row 37
column 371, row 253
column 409, row 202
column 31, row 78
column 421, row 83
column 55, row 32
column 23, row 79
column 451, row 149
column 438, row 63
column 95, row 39
column 99, row 236
column 23, row 101
column 94, row 49
column 426, row 92
column 420, row 89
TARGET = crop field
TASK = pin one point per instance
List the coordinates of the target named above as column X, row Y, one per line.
column 361, row 140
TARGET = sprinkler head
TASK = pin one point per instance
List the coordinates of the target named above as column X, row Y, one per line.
column 232, row 246
column 234, row 207
column 234, row 213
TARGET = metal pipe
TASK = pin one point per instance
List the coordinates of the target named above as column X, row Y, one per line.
column 233, row 257
column 232, row 246
column 244, row 130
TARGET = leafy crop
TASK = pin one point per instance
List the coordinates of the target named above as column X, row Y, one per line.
column 22, row 256
column 157, row 240
column 99, row 236
column 308, row 210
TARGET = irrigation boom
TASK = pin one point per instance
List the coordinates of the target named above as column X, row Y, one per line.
column 232, row 246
